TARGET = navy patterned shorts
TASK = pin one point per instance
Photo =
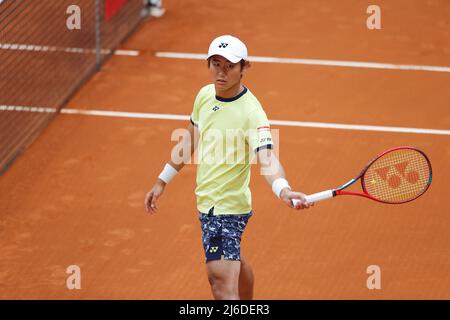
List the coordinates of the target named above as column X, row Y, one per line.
column 221, row 235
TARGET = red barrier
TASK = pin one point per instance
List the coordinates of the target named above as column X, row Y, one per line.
column 112, row 7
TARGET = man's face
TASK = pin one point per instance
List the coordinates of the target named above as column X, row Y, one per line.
column 225, row 74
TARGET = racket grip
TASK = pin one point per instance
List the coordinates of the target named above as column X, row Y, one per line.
column 316, row 197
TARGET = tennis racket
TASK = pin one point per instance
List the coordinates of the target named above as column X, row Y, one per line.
column 397, row 175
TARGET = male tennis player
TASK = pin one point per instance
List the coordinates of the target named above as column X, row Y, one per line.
column 227, row 111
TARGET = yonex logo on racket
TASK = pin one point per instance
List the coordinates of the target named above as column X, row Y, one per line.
column 394, row 181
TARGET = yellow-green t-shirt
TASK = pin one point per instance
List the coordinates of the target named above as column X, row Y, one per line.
column 231, row 131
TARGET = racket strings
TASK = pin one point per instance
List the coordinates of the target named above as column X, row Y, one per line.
column 398, row 176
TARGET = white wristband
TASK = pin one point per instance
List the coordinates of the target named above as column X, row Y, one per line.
column 168, row 173
column 278, row 185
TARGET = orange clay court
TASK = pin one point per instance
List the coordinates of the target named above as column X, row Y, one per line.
column 75, row 196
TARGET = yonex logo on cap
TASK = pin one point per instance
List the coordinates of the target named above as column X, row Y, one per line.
column 223, row 45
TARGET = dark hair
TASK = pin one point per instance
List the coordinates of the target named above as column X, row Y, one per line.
column 242, row 63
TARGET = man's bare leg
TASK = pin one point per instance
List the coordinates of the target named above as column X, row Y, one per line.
column 223, row 276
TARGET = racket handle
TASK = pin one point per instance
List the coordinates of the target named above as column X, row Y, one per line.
column 319, row 196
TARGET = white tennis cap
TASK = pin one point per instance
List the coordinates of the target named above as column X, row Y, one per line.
column 229, row 47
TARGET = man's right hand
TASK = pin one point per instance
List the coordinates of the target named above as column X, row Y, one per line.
column 153, row 195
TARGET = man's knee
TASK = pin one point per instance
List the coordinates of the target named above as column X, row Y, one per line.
column 223, row 289
column 220, row 288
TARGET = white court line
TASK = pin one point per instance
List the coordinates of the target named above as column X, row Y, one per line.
column 120, row 114
column 37, row 48
column 315, row 62
column 162, row 116
column 27, row 109
column 131, row 53
column 272, row 122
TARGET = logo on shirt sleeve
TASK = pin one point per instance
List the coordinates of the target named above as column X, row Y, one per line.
column 264, row 135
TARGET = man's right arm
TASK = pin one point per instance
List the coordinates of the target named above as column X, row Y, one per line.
column 183, row 151
column 187, row 144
